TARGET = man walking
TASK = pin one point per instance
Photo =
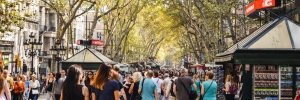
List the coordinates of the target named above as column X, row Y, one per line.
column 169, row 90
column 183, row 83
column 164, row 86
column 148, row 89
column 158, row 84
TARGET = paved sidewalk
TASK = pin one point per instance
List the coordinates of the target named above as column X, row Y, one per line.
column 43, row 97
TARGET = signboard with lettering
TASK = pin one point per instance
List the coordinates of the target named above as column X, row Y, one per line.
column 259, row 4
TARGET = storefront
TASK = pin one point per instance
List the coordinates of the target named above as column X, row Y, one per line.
column 267, row 62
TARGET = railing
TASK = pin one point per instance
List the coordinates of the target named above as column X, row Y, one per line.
column 52, row 29
column 43, row 53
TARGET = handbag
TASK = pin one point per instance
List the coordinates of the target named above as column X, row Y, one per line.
column 201, row 97
column 192, row 94
column 139, row 97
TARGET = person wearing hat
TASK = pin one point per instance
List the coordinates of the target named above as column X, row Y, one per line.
column 34, row 88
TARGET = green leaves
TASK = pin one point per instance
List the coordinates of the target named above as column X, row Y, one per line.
column 11, row 16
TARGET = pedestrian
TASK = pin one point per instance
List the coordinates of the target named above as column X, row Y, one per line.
column 297, row 97
column 26, row 84
column 115, row 76
column 228, row 95
column 88, row 82
column 18, row 89
column 127, row 85
column 169, row 90
column 197, row 83
column 34, row 88
column 9, row 80
column 137, row 77
column 183, row 84
column 57, row 86
column 72, row 88
column 103, row 87
column 148, row 88
column 209, row 87
column 117, row 69
column 4, row 88
column 165, row 85
column 159, row 84
column 49, row 86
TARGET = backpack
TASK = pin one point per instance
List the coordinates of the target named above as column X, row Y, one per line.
column 171, row 90
column 233, row 89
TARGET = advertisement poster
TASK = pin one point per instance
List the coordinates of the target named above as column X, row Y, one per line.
column 6, row 61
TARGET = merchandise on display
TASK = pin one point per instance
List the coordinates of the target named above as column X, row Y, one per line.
column 266, row 82
column 286, row 83
column 219, row 79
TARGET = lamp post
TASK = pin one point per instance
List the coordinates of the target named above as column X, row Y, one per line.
column 32, row 48
column 59, row 51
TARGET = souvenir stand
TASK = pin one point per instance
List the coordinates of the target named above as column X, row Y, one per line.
column 218, row 78
column 89, row 59
column 267, row 61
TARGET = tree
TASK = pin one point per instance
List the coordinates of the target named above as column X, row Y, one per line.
column 11, row 14
column 118, row 25
column 67, row 11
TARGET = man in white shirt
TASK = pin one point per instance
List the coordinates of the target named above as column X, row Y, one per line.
column 158, row 84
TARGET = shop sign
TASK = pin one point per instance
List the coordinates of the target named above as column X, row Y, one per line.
column 97, row 42
column 259, row 4
column 247, row 67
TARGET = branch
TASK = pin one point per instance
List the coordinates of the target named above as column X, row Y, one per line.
column 83, row 11
column 115, row 7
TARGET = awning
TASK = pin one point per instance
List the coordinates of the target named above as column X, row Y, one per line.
column 278, row 57
column 89, row 59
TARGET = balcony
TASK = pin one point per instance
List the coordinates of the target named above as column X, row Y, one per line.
column 52, row 29
column 43, row 53
column 43, row 27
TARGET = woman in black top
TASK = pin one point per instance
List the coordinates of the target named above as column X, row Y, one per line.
column 127, row 85
column 88, row 81
column 49, row 85
column 71, row 88
column 136, row 76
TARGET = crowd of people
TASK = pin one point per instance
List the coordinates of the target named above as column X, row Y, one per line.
column 109, row 83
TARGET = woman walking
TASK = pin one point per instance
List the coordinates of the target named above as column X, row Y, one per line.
column 34, row 88
column 103, row 87
column 72, row 88
column 209, row 87
column 18, row 88
column 49, row 86
column 127, row 85
column 228, row 82
column 137, row 77
column 88, row 82
column 196, row 80
column 26, row 85
column 4, row 89
column 57, row 86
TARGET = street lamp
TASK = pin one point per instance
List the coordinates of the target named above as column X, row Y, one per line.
column 59, row 51
column 32, row 48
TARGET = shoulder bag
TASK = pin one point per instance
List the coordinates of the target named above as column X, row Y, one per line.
column 192, row 94
column 201, row 97
column 139, row 97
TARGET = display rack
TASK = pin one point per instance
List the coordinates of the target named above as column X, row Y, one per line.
column 266, row 82
column 219, row 79
column 286, row 83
